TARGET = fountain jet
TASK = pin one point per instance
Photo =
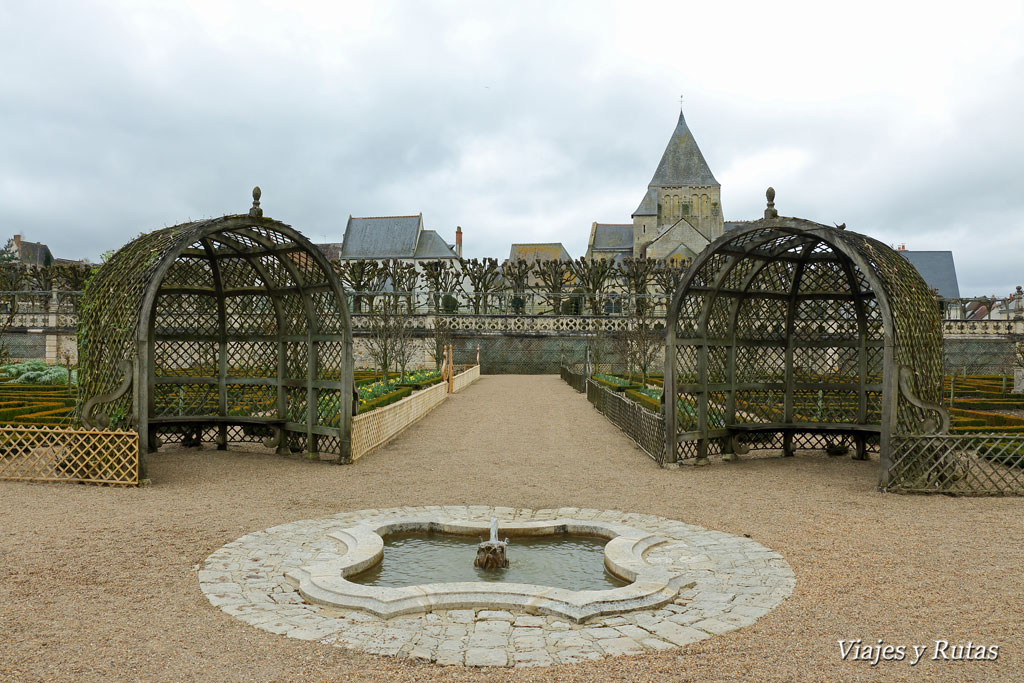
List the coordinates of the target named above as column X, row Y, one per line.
column 490, row 554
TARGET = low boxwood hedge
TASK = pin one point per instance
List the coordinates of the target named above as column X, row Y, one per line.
column 385, row 399
column 421, row 385
column 651, row 404
column 993, row 419
column 608, row 381
column 988, row 429
column 656, row 380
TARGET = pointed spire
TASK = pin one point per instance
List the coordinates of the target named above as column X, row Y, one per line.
column 682, row 164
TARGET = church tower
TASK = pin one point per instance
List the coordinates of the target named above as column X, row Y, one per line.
column 682, row 210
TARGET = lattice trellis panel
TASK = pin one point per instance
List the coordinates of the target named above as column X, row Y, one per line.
column 253, row 359
column 69, row 455
column 760, row 405
column 963, row 464
column 250, row 315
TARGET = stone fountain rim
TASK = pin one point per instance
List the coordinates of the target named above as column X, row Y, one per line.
column 651, row 586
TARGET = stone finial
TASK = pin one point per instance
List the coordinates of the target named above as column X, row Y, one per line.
column 256, row 211
column 770, row 212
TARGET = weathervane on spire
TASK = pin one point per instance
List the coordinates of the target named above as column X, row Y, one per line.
column 680, row 104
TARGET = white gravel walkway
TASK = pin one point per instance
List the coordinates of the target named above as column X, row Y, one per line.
column 98, row 583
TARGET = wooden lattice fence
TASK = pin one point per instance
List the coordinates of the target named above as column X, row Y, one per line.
column 574, row 378
column 645, row 428
column 959, row 464
column 69, row 455
column 465, row 378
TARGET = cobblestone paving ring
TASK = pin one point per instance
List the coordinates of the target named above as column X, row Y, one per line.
column 705, row 583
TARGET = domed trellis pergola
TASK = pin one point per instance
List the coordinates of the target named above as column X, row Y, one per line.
column 234, row 328
column 790, row 333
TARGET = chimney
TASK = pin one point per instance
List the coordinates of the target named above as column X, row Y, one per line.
column 458, row 241
column 17, row 243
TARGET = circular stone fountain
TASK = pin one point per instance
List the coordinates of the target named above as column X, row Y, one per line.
column 682, row 584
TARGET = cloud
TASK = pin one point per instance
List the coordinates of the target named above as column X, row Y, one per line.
column 519, row 122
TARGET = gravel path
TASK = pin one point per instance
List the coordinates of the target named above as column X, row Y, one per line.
column 97, row 583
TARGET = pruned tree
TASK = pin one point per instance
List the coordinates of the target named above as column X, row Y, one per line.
column 362, row 278
column 401, row 326
column 593, row 275
column 648, row 339
column 442, row 278
column 636, row 275
column 403, row 277
column 442, row 337
column 390, row 339
column 71, row 279
column 554, row 275
column 667, row 276
column 482, row 278
column 640, row 342
column 40, row 279
column 11, row 277
column 596, row 344
column 516, row 275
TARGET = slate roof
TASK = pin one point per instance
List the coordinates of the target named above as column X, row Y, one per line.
column 937, row 269
column 613, row 236
column 35, row 254
column 433, row 247
column 382, row 237
column 682, row 164
column 649, row 204
column 539, row 252
column 668, row 228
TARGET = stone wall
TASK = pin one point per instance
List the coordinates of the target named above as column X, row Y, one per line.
column 53, row 346
column 534, row 344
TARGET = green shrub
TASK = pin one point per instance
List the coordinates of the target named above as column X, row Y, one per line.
column 37, row 372
column 449, row 304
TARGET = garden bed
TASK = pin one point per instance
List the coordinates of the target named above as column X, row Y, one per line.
column 377, row 394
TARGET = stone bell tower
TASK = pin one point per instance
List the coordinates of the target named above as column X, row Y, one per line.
column 682, row 210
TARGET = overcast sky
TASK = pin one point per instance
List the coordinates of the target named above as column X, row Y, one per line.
column 521, row 122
